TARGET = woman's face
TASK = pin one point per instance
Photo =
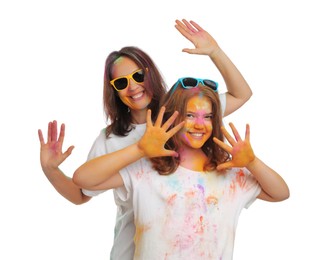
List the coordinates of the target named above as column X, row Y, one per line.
column 134, row 95
column 198, row 122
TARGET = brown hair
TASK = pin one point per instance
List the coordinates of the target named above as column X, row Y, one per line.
column 176, row 100
column 115, row 110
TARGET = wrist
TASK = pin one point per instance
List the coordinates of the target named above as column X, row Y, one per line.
column 140, row 149
column 252, row 163
column 49, row 169
column 216, row 52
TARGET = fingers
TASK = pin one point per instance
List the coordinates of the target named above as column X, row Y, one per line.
column 148, row 118
column 42, row 142
column 61, row 135
column 198, row 27
column 170, row 153
column 237, row 135
column 170, row 121
column 247, row 135
column 68, row 152
column 228, row 137
column 235, row 132
column 49, row 132
column 182, row 25
column 175, row 129
column 182, row 29
column 223, row 145
column 53, row 131
column 158, row 121
column 224, row 166
column 189, row 26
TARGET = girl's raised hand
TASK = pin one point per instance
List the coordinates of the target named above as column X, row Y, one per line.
column 241, row 150
column 157, row 134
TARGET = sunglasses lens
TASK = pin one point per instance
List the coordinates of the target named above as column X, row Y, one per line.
column 211, row 84
column 138, row 76
column 121, row 83
column 189, row 82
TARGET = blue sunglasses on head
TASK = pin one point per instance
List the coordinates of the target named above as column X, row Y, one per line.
column 189, row 82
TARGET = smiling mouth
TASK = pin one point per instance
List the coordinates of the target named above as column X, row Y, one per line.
column 137, row 95
column 196, row 134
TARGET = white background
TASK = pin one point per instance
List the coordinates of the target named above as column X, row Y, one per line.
column 51, row 67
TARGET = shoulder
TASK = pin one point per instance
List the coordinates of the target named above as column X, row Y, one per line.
column 242, row 177
column 239, row 175
column 141, row 167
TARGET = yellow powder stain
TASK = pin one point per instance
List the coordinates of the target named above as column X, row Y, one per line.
column 212, row 200
column 140, row 229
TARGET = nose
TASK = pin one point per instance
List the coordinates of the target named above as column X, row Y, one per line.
column 199, row 123
column 132, row 85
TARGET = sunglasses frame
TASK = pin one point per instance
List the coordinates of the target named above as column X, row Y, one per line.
column 128, row 77
column 202, row 81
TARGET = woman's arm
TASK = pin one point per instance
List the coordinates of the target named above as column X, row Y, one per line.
column 238, row 90
column 51, row 156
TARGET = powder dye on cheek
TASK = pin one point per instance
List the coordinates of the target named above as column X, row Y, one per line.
column 183, row 136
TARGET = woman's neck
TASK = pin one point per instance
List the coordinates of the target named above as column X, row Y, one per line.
column 138, row 117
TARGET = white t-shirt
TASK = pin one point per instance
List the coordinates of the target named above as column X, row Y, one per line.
column 123, row 243
column 188, row 214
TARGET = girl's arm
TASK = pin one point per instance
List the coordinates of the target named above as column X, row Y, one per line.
column 103, row 172
column 93, row 173
column 238, row 90
column 274, row 188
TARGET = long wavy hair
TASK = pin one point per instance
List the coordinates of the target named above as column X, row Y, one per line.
column 115, row 110
column 176, row 100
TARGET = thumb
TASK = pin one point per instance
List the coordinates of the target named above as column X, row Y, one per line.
column 190, row 51
column 171, row 153
column 68, row 151
column 224, row 166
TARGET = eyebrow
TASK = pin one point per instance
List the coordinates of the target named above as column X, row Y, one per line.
column 193, row 112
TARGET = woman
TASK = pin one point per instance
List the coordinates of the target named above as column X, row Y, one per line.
column 126, row 109
column 187, row 193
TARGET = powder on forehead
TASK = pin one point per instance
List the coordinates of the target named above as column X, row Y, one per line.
column 118, row 60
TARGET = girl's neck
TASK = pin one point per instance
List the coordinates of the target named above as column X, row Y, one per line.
column 192, row 159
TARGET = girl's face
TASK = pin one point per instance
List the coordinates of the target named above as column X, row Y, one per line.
column 198, row 122
column 134, row 95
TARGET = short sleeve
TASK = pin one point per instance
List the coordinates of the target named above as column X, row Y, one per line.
column 251, row 189
column 222, row 99
column 124, row 193
column 131, row 175
column 98, row 148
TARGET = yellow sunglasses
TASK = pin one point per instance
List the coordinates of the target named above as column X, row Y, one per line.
column 121, row 83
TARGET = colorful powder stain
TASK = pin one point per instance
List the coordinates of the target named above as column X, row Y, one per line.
column 140, row 229
column 239, row 180
column 212, row 200
column 171, row 199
